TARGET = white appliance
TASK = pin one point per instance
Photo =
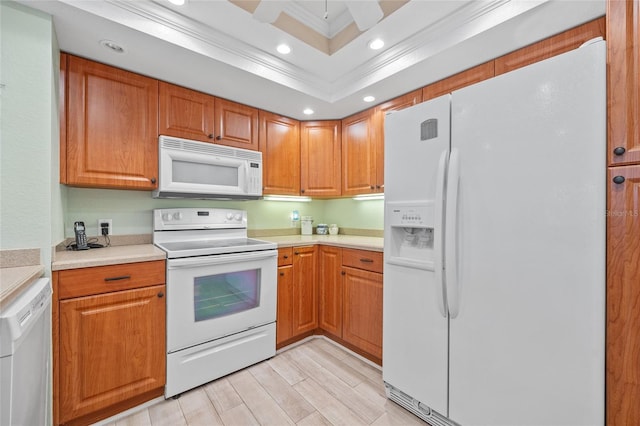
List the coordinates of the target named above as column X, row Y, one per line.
column 190, row 169
column 494, row 275
column 221, row 294
column 25, row 353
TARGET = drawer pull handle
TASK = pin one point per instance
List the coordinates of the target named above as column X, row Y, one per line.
column 282, row 274
column 121, row 277
column 366, row 260
column 286, row 256
column 160, row 294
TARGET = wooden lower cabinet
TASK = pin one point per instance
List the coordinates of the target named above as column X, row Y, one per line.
column 330, row 289
column 305, row 290
column 297, row 309
column 362, row 314
column 623, row 296
column 109, row 348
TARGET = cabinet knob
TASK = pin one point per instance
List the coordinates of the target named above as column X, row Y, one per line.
column 286, row 256
column 282, row 274
column 372, row 187
column 619, row 150
column 296, row 252
column 343, row 273
column 218, row 137
column 618, row 179
column 160, row 294
column 211, row 136
column 377, row 186
column 302, row 191
column 153, row 180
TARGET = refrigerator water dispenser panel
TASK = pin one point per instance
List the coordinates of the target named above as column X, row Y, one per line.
column 411, row 234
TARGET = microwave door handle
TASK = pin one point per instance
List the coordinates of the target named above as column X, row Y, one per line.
column 189, row 262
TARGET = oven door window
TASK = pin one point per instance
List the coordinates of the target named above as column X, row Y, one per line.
column 225, row 294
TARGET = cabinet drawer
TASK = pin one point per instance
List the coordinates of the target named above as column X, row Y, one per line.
column 285, row 256
column 362, row 259
column 105, row 279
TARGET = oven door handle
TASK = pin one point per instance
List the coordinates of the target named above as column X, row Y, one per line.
column 189, row 262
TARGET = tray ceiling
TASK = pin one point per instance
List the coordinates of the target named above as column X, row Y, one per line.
column 228, row 48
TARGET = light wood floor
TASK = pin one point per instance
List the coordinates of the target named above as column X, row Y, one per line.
column 316, row 383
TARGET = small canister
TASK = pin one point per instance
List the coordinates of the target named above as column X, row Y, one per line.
column 306, row 225
column 322, row 229
column 333, row 229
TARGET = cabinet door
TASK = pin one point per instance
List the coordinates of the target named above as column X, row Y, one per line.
column 623, row 66
column 320, row 158
column 458, row 81
column 358, row 154
column 362, row 311
column 236, row 124
column 330, row 289
column 284, row 315
column 280, row 147
column 185, row 113
column 112, row 127
column 305, row 290
column 552, row 46
column 112, row 348
column 623, row 296
column 396, row 104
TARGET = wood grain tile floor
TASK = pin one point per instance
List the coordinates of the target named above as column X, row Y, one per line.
column 315, row 383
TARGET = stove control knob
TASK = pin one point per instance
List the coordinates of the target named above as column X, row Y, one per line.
column 238, row 216
column 229, row 216
column 166, row 217
column 177, row 216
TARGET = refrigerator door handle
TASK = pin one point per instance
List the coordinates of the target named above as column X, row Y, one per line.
column 451, row 235
column 438, row 234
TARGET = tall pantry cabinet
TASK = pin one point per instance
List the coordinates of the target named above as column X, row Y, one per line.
column 623, row 213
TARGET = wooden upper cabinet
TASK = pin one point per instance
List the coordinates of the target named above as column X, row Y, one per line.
column 623, row 85
column 320, row 158
column 185, row 113
column 280, row 147
column 236, row 124
column 112, row 127
column 623, row 296
column 62, row 109
column 396, row 104
column 458, row 81
column 359, row 154
column 552, row 46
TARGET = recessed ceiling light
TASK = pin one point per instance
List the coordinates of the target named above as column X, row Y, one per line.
column 369, row 98
column 113, row 46
column 177, row 2
column 376, row 44
column 283, row 48
column 307, row 111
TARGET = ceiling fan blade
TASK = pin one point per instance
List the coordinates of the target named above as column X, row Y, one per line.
column 365, row 13
column 268, row 11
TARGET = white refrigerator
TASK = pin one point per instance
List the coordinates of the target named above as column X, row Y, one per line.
column 494, row 274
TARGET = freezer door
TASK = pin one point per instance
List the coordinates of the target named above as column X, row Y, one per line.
column 415, row 324
column 527, row 344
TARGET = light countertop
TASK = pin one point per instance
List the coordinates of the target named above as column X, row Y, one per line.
column 348, row 241
column 106, row 256
column 148, row 252
column 14, row 280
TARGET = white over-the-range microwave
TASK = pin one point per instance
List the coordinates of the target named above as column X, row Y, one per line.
column 190, row 169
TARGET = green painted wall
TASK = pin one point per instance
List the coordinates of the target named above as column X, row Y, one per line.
column 131, row 211
column 31, row 204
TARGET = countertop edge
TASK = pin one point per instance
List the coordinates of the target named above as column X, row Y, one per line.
column 15, row 279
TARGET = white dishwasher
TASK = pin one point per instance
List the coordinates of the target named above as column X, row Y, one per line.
column 25, row 353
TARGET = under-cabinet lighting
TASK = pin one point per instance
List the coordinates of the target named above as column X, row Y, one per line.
column 367, row 197
column 287, row 198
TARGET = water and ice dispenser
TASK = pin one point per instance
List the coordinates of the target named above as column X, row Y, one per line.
column 411, row 228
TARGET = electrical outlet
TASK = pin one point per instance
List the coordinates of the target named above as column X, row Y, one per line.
column 109, row 226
